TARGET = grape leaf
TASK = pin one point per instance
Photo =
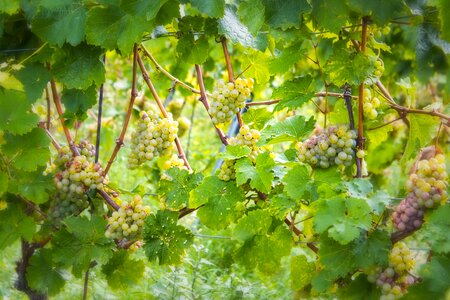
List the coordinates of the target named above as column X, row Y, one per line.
column 330, row 15
column 15, row 113
column 260, row 174
column 176, row 185
column 9, row 6
column 61, row 21
column 193, row 50
column 79, row 67
column 292, row 129
column 111, row 27
column 289, row 57
column 3, row 182
column 149, row 9
column 15, row 225
column 82, row 241
column 27, row 151
column 251, row 13
column 214, row 9
column 219, row 199
column 381, row 10
column 33, row 186
column 165, row 241
column 257, row 117
column 360, row 288
column 294, row 93
column 343, row 218
column 301, row 272
column 256, row 222
column 42, row 274
column 297, row 181
column 231, row 27
column 285, row 14
column 10, row 82
column 422, row 129
column 34, row 78
column 234, row 152
column 77, row 102
column 436, row 228
column 259, row 66
column 444, row 11
column 121, row 271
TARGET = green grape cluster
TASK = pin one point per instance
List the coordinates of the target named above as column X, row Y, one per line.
column 128, row 221
column 175, row 107
column 370, row 105
column 327, row 147
column 379, row 68
column 228, row 98
column 183, row 125
column 245, row 137
column 429, row 182
column 393, row 278
column 153, row 137
column 172, row 161
column 74, row 176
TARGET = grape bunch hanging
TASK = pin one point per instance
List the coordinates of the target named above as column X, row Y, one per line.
column 426, row 188
column 228, row 98
column 74, row 176
column 128, row 221
column 153, row 137
column 370, row 105
column 393, row 280
column 327, row 147
column 245, row 137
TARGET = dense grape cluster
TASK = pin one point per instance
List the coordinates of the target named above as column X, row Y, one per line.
column 183, row 125
column 245, row 137
column 128, row 221
column 395, row 276
column 175, row 107
column 427, row 188
column 172, row 161
column 327, row 147
column 153, row 137
column 370, row 105
column 379, row 68
column 228, row 98
column 74, row 176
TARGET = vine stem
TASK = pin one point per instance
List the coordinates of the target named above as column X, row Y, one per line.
column 52, row 138
column 204, row 100
column 405, row 110
column 166, row 73
column 360, row 139
column 57, row 102
column 161, row 108
column 348, row 105
column 227, row 59
column 47, row 98
column 318, row 94
column 99, row 117
column 119, row 141
column 108, row 199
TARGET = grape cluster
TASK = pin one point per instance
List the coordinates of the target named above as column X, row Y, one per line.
column 379, row 68
column 370, row 105
column 172, row 161
column 426, row 188
column 391, row 279
column 183, row 125
column 74, row 176
column 245, row 137
column 175, row 107
column 228, row 98
column 327, row 147
column 154, row 136
column 128, row 221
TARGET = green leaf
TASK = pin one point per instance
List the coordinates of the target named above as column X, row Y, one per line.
column 111, row 27
column 149, row 9
column 301, row 272
column 34, row 78
column 176, row 186
column 444, row 11
column 343, row 218
column 219, row 199
column 15, row 225
column 213, row 9
column 257, row 117
column 82, row 241
column 42, row 275
column 79, row 67
column 251, row 13
column 9, row 6
column 285, row 14
column 77, row 102
column 436, row 229
column 266, row 250
column 297, row 181
column 330, row 14
column 15, row 113
column 234, row 30
column 294, row 93
column 259, row 66
column 33, row 186
column 10, row 82
column 234, row 152
column 292, row 129
column 257, row 222
column 58, row 22
column 422, row 130
column 381, row 10
column 288, row 58
column 193, row 50
column 121, row 271
column 165, row 241
column 29, row 151
column 260, row 174
column 3, row 182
